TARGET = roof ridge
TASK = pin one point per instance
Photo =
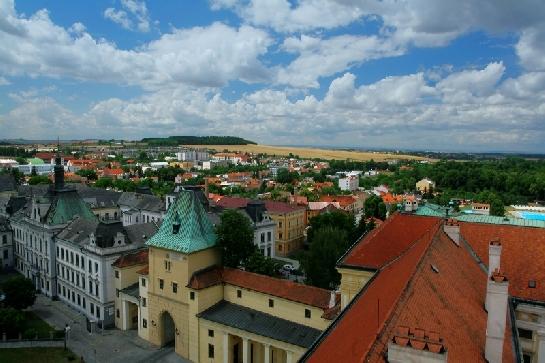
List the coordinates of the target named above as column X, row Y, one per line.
column 390, row 314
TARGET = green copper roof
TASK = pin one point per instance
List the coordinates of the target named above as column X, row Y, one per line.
column 434, row 210
column 66, row 205
column 195, row 230
column 476, row 218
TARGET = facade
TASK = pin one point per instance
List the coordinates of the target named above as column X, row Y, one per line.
column 6, row 245
column 35, row 226
column 214, row 314
column 349, row 183
column 85, row 251
column 139, row 207
column 290, row 226
column 425, row 185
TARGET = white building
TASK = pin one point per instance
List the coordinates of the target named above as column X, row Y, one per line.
column 137, row 208
column 349, row 183
column 85, row 251
column 192, row 155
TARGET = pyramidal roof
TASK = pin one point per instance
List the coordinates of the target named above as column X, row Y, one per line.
column 186, row 227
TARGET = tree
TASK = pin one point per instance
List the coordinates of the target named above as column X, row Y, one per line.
column 87, row 173
column 284, row 176
column 20, row 292
column 496, row 207
column 375, row 207
column 261, row 265
column 327, row 247
column 235, row 238
column 39, row 179
column 338, row 219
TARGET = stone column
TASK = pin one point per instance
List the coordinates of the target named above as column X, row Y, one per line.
column 267, row 358
column 124, row 315
column 225, row 347
column 541, row 346
column 289, row 356
column 245, row 351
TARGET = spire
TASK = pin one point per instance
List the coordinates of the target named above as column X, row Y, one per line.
column 59, row 168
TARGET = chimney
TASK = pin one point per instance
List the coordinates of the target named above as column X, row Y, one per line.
column 494, row 256
column 332, row 299
column 416, row 345
column 496, row 295
column 452, row 229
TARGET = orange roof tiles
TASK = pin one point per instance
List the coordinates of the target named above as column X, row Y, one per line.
column 434, row 286
column 286, row 289
column 388, row 240
column 138, row 257
column 522, row 255
column 344, row 200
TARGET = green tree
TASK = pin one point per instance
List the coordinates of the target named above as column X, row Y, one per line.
column 375, row 207
column 87, row 173
column 235, row 238
column 319, row 264
column 39, row 179
column 20, row 292
column 11, row 320
column 104, row 183
column 261, row 265
column 338, row 219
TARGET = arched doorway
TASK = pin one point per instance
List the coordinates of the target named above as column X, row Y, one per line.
column 168, row 329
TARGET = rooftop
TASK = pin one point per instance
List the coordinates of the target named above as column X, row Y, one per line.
column 194, row 231
column 259, row 323
column 134, row 258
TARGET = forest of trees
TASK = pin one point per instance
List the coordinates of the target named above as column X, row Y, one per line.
column 196, row 140
column 512, row 180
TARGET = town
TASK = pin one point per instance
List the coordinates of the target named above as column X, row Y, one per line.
column 233, row 256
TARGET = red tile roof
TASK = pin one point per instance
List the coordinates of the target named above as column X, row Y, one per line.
column 286, row 289
column 434, row 285
column 522, row 255
column 281, row 207
column 144, row 271
column 232, row 202
column 138, row 257
column 388, row 240
column 344, row 200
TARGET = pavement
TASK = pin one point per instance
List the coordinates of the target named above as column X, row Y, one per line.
column 110, row 346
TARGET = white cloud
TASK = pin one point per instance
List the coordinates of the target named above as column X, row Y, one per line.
column 4, row 82
column 405, row 111
column 133, row 16
column 325, row 57
column 201, row 56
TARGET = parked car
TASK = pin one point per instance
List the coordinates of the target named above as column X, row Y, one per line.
column 288, row 267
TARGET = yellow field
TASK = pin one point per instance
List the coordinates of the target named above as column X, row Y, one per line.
column 308, row 153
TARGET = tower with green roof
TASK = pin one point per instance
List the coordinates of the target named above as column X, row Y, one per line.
column 185, row 243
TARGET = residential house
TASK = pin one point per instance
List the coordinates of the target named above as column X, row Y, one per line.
column 141, row 207
column 425, row 185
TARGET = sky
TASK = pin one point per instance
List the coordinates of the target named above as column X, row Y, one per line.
column 464, row 75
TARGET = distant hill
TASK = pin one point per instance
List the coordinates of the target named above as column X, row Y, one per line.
column 197, row 140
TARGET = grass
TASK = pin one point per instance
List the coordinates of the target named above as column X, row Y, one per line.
column 34, row 355
column 309, row 153
column 32, row 321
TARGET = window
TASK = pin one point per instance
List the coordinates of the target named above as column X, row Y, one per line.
column 167, row 265
column 92, row 308
column 280, row 235
column 117, row 313
column 192, row 295
column 525, row 333
column 116, row 292
column 174, row 287
column 84, row 302
column 96, row 267
column 210, row 333
column 96, row 290
column 144, row 323
column 90, row 287
column 116, row 274
column 210, row 350
column 90, row 270
column 144, row 302
column 161, row 283
column 143, row 282
column 262, row 237
column 71, row 257
column 307, row 313
column 239, row 293
column 527, row 358
column 5, row 254
column 98, row 312
column 269, row 236
column 271, row 303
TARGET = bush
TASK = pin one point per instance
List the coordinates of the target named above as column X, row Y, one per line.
column 30, row 334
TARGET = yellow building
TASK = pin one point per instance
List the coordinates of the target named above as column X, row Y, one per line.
column 425, row 185
column 290, row 226
column 210, row 313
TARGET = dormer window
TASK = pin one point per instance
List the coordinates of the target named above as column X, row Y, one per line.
column 176, row 224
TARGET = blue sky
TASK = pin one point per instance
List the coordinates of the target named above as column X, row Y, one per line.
column 465, row 76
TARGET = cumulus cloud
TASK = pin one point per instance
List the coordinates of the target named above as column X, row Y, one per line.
column 403, row 110
column 133, row 15
column 201, row 56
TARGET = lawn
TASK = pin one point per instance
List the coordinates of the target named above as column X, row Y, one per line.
column 34, row 355
column 32, row 321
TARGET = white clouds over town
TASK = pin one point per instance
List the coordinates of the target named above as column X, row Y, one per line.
column 304, row 64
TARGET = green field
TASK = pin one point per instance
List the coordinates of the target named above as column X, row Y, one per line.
column 35, row 355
